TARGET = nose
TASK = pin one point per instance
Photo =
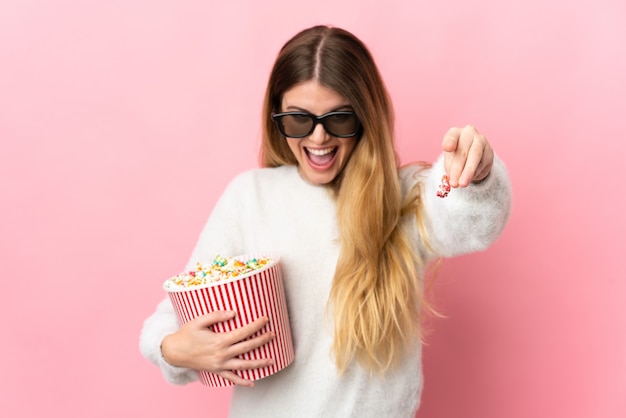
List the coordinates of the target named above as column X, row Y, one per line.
column 319, row 134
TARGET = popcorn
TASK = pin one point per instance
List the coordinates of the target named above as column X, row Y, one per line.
column 444, row 187
column 220, row 269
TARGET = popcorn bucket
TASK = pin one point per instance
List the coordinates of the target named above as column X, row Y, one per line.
column 252, row 295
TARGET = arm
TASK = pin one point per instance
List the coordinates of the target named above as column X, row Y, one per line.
column 471, row 218
column 160, row 324
column 181, row 350
column 474, row 214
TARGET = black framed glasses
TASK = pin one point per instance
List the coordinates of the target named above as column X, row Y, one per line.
column 341, row 124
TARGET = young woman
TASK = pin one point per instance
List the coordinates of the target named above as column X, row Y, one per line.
column 354, row 232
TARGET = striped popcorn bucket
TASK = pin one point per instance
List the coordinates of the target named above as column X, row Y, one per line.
column 252, row 295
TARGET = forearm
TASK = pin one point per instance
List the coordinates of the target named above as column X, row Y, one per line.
column 470, row 218
column 160, row 324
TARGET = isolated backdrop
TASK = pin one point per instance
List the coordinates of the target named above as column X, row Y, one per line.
column 122, row 121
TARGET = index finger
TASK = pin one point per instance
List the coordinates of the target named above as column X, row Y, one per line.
column 247, row 330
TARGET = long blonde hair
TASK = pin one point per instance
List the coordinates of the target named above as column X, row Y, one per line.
column 376, row 295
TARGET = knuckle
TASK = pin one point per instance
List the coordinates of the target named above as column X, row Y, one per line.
column 218, row 359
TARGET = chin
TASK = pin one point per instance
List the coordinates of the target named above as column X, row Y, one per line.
column 318, row 179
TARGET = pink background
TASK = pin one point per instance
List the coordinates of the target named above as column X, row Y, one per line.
column 122, row 121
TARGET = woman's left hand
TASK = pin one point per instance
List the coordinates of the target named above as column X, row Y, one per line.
column 468, row 157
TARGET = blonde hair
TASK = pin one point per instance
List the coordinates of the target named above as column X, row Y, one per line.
column 376, row 295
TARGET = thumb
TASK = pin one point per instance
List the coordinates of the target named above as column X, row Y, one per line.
column 451, row 140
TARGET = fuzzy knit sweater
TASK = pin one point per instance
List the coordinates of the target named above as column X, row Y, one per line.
column 274, row 210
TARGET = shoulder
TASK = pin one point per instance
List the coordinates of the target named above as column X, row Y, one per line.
column 411, row 174
column 260, row 180
column 261, row 176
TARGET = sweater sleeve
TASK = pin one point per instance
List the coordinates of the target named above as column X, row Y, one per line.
column 469, row 219
column 220, row 235
column 160, row 324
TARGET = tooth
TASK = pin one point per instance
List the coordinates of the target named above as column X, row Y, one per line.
column 320, row 151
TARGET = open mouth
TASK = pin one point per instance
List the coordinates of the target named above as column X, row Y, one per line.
column 321, row 158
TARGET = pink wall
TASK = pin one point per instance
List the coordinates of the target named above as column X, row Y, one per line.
column 121, row 121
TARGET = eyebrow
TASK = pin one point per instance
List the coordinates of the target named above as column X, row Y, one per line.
column 344, row 107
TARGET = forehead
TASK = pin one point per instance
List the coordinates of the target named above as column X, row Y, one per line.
column 313, row 97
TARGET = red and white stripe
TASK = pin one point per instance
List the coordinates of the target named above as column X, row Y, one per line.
column 261, row 294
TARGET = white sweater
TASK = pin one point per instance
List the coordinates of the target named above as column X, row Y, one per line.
column 275, row 210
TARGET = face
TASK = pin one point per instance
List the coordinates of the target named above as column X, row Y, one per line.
column 321, row 156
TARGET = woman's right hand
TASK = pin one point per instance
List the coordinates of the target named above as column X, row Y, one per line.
column 196, row 346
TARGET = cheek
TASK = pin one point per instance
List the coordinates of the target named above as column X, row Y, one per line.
column 350, row 145
column 294, row 147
